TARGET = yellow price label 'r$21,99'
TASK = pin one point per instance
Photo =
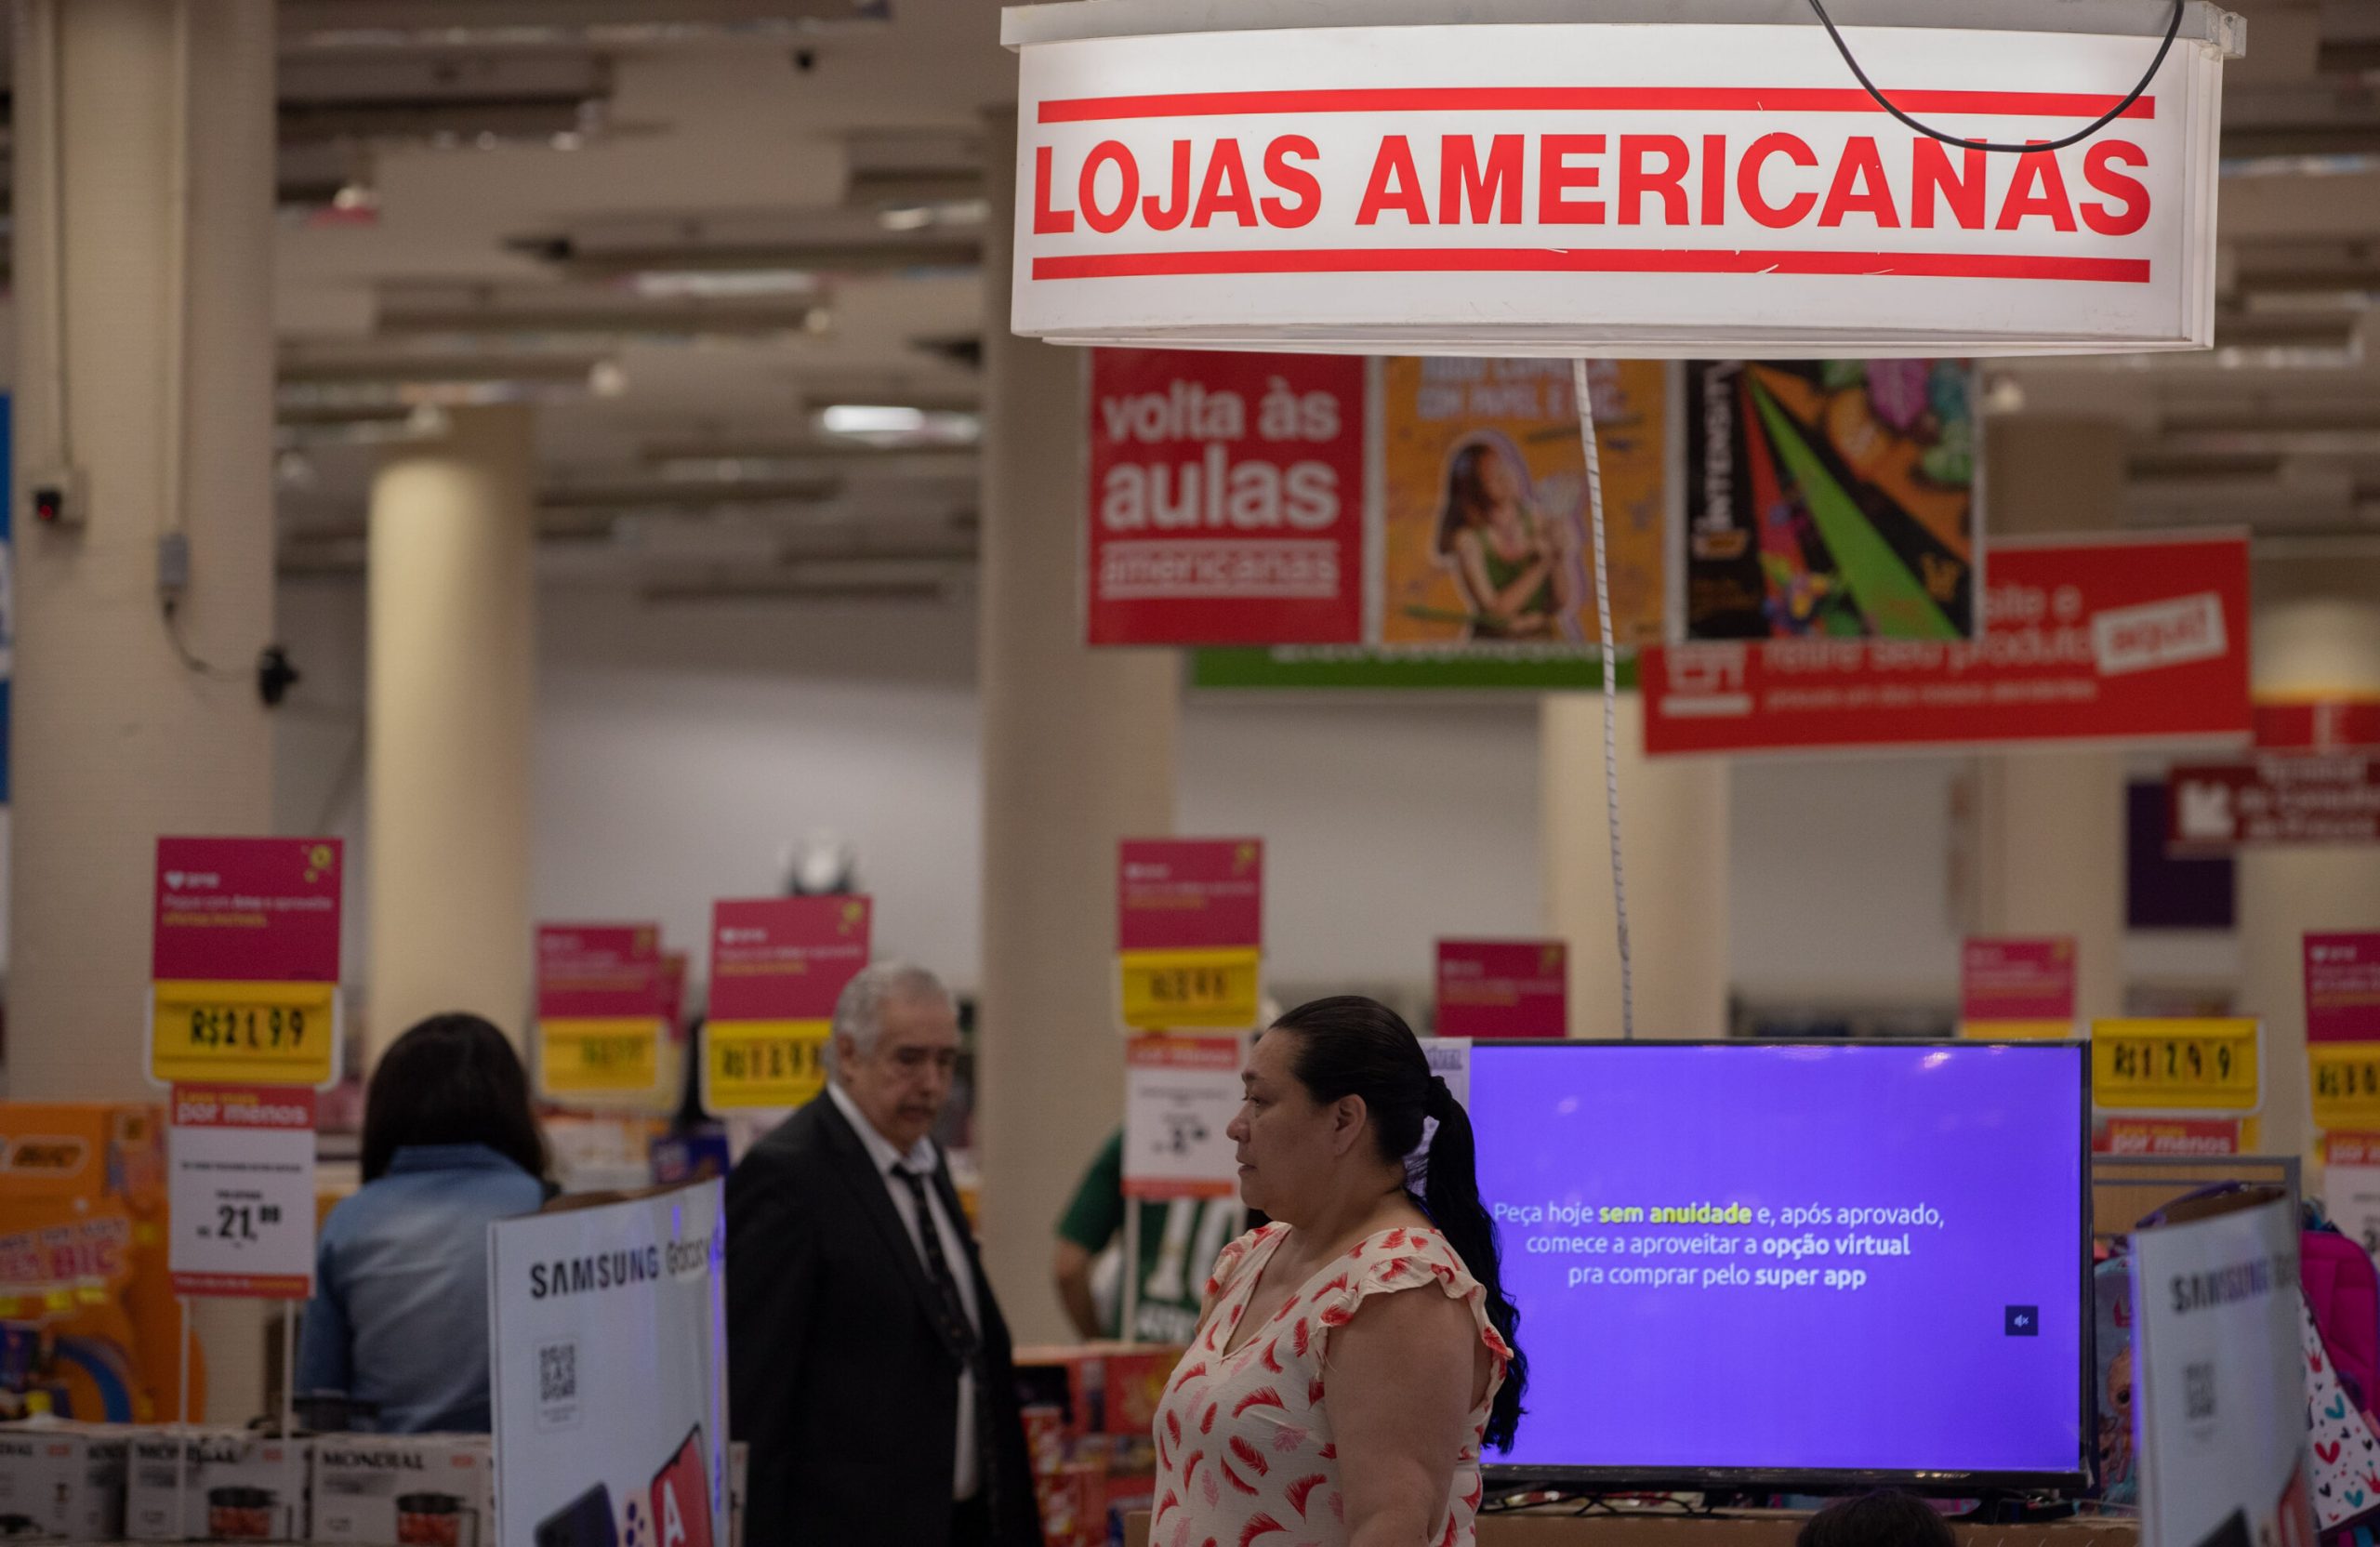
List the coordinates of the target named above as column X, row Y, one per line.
column 243, row 1033
column 599, row 1056
column 763, row 1063
column 1187, row 988
column 2175, row 1066
column 2347, row 1085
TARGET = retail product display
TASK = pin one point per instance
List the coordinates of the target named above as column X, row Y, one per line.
column 1793, row 1262
column 1087, row 1414
column 64, row 1482
column 404, row 1490
column 214, row 1484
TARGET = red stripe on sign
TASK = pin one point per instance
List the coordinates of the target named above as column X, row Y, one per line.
column 1589, row 98
column 1645, row 261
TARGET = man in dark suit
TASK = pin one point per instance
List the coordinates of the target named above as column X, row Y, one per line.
column 869, row 1368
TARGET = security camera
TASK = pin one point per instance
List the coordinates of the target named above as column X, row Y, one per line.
column 804, row 60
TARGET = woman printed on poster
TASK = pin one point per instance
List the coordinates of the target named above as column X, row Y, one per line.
column 1513, row 567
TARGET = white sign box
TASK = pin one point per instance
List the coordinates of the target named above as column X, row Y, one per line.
column 1180, row 1092
column 242, row 1170
column 2219, row 1382
column 609, row 1331
column 1560, row 188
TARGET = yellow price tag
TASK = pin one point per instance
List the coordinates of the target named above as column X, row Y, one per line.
column 2347, row 1085
column 763, row 1063
column 243, row 1033
column 599, row 1057
column 1166, row 990
column 2175, row 1066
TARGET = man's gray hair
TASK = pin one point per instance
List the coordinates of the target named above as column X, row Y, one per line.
column 859, row 1011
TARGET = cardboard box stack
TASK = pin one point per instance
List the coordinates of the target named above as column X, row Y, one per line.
column 404, row 1490
column 61, row 1482
column 214, row 1484
column 1087, row 1430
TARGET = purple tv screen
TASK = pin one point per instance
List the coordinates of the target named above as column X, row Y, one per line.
column 1784, row 1259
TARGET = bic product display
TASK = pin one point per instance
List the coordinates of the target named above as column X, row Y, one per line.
column 1758, row 1261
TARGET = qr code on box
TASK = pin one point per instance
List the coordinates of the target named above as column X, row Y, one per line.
column 558, row 1383
column 2198, row 1392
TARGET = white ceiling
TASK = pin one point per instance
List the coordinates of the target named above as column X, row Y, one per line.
column 511, row 167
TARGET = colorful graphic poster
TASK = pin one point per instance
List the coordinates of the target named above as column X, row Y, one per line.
column 609, row 1330
column 1829, row 500
column 1490, row 988
column 1226, row 498
column 2104, row 641
column 1484, row 520
column 244, row 961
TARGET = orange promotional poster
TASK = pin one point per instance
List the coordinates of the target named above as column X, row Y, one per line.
column 1484, row 536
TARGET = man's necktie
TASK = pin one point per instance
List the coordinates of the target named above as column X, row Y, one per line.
column 961, row 1334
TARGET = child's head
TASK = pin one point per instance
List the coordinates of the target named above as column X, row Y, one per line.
column 1885, row 1518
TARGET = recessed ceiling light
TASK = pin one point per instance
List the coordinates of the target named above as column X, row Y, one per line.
column 722, row 282
column 862, row 419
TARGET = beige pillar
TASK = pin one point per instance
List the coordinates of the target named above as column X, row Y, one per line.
column 2315, row 634
column 453, row 620
column 1078, row 752
column 145, row 362
column 1674, row 854
column 2050, row 824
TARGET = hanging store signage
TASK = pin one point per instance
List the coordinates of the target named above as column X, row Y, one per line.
column 241, row 1167
column 2013, row 989
column 1694, row 191
column 1226, row 501
column 2197, row 1065
column 2176, row 1137
column 2099, row 641
column 601, row 996
column 777, row 965
column 2316, row 724
column 1189, row 932
column 2277, row 797
column 1491, row 988
column 243, row 961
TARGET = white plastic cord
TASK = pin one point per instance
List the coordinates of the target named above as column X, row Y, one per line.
column 1610, row 695
column 42, row 31
column 172, row 515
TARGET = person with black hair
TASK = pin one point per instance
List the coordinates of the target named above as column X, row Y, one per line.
column 1318, row 1397
column 399, row 1318
column 1884, row 1518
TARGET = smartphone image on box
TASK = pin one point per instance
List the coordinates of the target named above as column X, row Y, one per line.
column 586, row 1521
column 682, row 1495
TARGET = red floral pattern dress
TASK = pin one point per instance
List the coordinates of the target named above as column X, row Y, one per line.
column 1246, row 1455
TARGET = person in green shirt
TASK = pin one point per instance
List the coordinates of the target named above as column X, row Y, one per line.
column 1178, row 1239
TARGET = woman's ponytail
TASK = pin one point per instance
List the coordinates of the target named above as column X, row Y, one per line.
column 1355, row 1046
column 1450, row 1196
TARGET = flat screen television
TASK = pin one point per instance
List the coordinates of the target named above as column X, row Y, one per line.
column 1756, row 1263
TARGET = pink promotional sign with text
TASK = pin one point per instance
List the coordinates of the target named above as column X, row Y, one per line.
column 1189, row 893
column 1490, row 988
column 784, row 958
column 246, row 910
column 598, row 972
column 2342, row 987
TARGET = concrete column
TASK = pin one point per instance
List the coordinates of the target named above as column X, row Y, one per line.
column 117, row 739
column 453, row 618
column 144, row 363
column 2315, row 634
column 1078, row 752
column 1673, row 837
column 2050, row 824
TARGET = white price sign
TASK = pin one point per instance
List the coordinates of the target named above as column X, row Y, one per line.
column 1180, row 1094
column 243, row 1191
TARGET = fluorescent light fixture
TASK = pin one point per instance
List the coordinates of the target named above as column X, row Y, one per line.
column 714, row 283
column 860, row 418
